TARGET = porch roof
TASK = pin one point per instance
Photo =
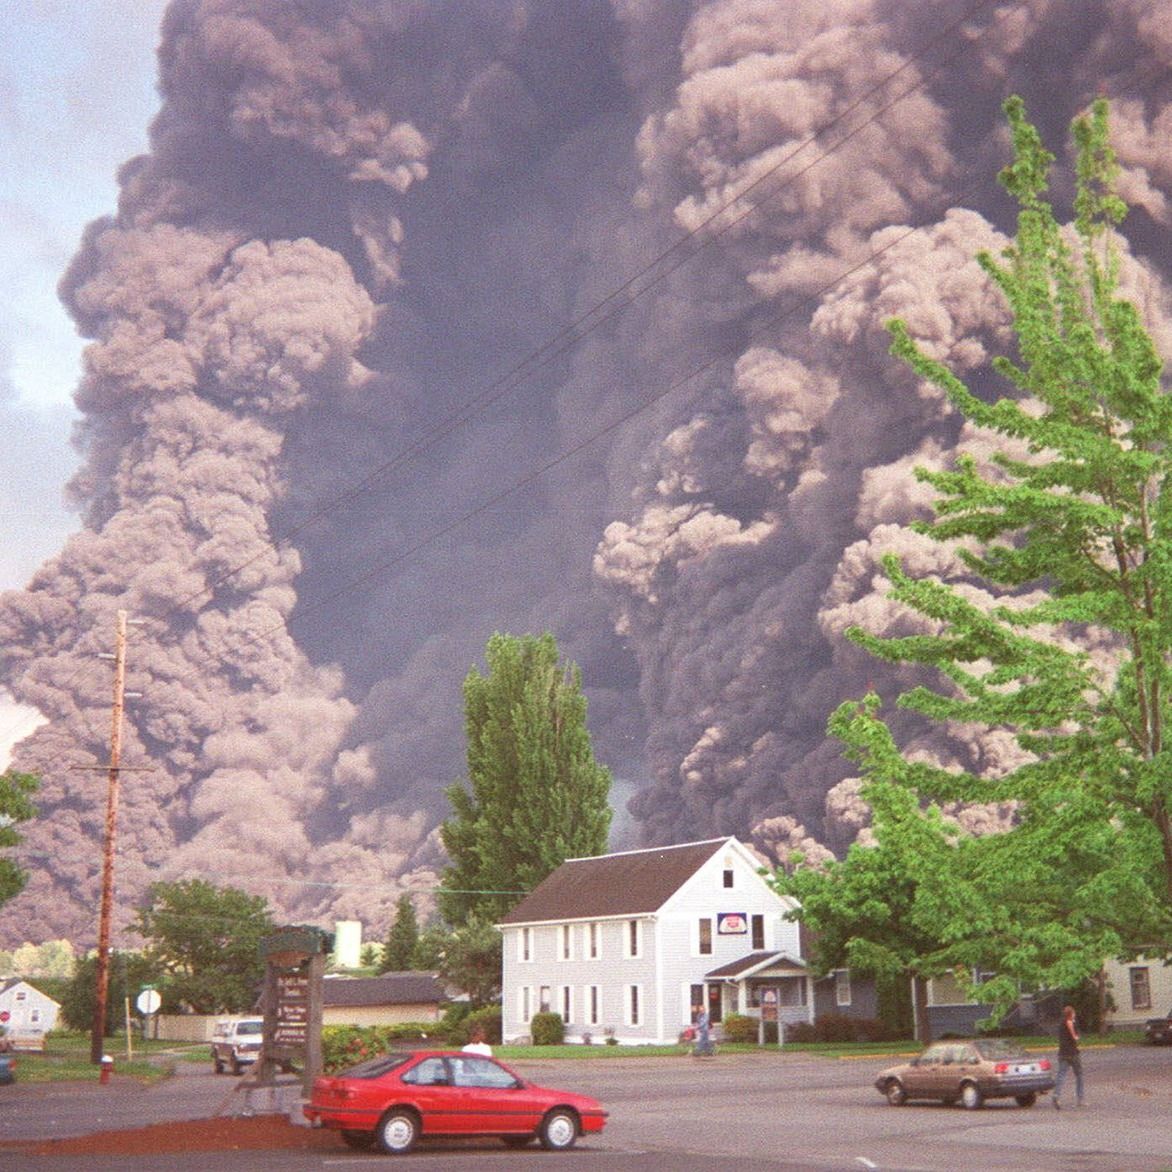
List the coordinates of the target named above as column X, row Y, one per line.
column 759, row 964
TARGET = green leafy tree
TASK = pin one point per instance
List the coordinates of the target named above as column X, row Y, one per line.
column 471, row 960
column 129, row 972
column 1071, row 527
column 430, row 947
column 206, row 940
column 16, row 806
column 402, row 939
column 537, row 794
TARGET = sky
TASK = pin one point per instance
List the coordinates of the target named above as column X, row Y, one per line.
column 423, row 321
column 77, row 93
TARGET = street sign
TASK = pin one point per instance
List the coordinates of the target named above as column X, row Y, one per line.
column 148, row 1002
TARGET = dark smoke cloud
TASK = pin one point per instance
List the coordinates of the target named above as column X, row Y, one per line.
column 352, row 217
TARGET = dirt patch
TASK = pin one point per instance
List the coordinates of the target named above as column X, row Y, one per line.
column 268, row 1133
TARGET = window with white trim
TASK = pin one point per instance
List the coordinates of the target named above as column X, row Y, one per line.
column 842, row 986
column 525, row 1003
column 566, row 939
column 633, row 939
column 1141, row 988
column 728, row 877
column 593, row 936
column 704, row 936
column 634, row 1005
column 757, row 924
column 593, row 1005
column 525, row 944
column 567, row 1004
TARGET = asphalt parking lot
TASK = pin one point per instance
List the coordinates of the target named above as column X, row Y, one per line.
column 770, row 1110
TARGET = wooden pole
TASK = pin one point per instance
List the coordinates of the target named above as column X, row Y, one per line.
column 102, row 991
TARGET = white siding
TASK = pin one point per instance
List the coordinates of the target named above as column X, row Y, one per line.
column 668, row 963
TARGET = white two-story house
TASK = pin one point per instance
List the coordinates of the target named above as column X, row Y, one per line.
column 625, row 945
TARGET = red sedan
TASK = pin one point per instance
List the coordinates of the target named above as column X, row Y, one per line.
column 391, row 1101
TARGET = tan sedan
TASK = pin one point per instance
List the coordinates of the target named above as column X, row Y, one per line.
column 968, row 1072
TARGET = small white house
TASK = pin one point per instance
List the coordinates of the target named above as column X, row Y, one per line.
column 624, row 945
column 26, row 1014
column 1140, row 989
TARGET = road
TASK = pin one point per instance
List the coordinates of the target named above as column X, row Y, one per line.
column 753, row 1112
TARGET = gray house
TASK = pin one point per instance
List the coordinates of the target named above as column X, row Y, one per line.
column 625, row 945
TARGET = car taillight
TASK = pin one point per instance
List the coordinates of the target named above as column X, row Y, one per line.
column 1045, row 1064
column 1001, row 1068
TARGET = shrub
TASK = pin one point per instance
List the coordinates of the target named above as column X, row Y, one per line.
column 488, row 1018
column 737, row 1027
column 838, row 1027
column 343, row 1046
column 547, row 1029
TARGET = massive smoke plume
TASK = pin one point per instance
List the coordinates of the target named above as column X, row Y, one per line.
column 355, row 219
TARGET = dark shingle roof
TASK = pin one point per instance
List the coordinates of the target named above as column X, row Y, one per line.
column 410, row 988
column 629, row 884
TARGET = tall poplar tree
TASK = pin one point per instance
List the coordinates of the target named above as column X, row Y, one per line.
column 536, row 794
column 1083, row 520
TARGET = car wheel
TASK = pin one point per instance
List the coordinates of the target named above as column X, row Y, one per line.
column 397, row 1132
column 217, row 1066
column 559, row 1130
column 1025, row 1100
column 895, row 1093
column 236, row 1067
column 517, row 1141
column 360, row 1141
column 970, row 1096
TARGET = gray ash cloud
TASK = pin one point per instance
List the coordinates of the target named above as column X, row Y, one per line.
column 352, row 218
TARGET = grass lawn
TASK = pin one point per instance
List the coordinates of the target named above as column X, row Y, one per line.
column 66, row 1057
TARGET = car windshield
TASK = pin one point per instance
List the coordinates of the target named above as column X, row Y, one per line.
column 250, row 1027
column 997, row 1049
column 374, row 1067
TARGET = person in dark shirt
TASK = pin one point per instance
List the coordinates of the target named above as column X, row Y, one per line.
column 1069, row 1057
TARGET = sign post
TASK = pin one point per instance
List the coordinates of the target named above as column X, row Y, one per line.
column 295, row 965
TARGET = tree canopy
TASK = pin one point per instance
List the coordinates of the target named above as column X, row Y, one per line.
column 1066, row 646
column 206, row 939
column 16, row 806
column 537, row 796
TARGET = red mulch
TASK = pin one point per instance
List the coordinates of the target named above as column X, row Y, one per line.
column 222, row 1134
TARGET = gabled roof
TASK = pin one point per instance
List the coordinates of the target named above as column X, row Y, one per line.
column 7, row 983
column 631, row 883
column 406, row 988
column 758, row 962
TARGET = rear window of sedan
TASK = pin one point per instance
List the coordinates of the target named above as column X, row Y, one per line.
column 998, row 1049
column 374, row 1067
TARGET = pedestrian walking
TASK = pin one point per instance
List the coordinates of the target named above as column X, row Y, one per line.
column 704, row 1045
column 1069, row 1058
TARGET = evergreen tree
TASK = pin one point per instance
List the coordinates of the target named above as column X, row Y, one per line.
column 1081, row 520
column 537, row 796
column 402, row 939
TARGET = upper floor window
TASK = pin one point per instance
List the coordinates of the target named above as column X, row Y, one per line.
column 566, row 934
column 705, row 937
column 728, row 877
column 593, row 944
column 525, row 944
column 633, row 938
column 757, row 925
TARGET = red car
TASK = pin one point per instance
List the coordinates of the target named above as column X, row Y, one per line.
column 391, row 1101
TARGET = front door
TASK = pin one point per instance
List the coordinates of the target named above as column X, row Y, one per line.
column 715, row 1004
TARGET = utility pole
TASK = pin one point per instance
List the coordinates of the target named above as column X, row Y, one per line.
column 98, row 1034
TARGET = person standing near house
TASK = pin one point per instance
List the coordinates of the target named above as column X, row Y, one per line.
column 703, row 1038
column 1069, row 1057
column 476, row 1042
